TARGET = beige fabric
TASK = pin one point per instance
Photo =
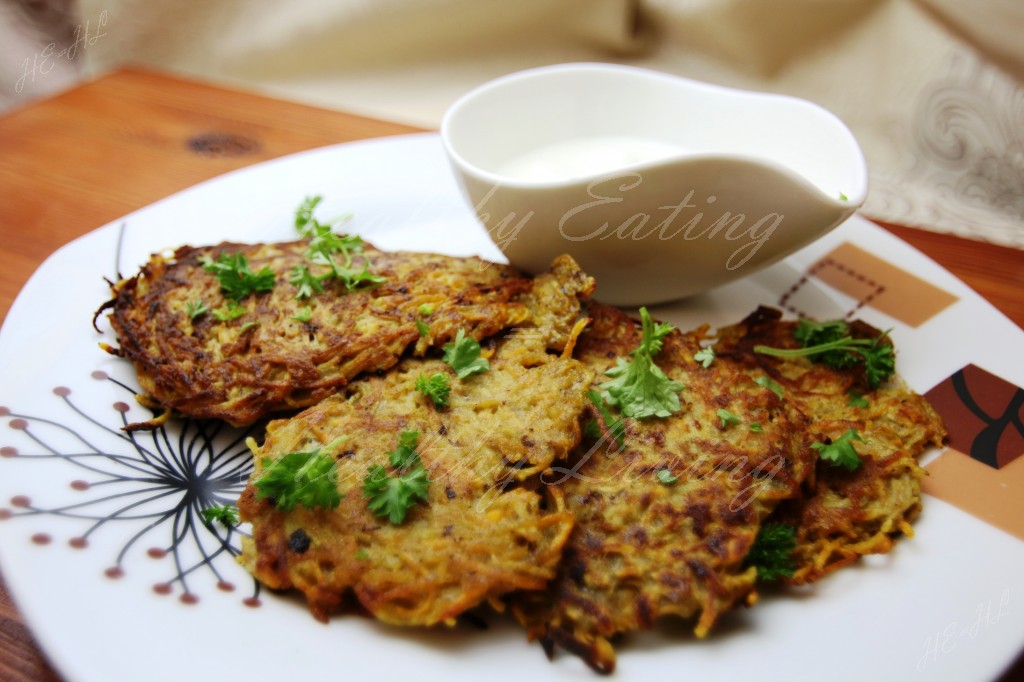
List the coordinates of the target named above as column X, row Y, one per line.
column 931, row 88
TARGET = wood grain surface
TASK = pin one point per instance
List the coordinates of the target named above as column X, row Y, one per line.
column 90, row 155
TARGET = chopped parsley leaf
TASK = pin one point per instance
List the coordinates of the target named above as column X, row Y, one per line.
column 830, row 344
column 666, row 477
column 639, row 388
column 307, row 478
column 435, row 387
column 231, row 311
column 705, row 356
column 769, row 384
column 236, row 279
column 226, row 514
column 772, row 552
column 392, row 495
column 616, row 427
column 728, row 418
column 463, row 356
column 840, row 452
column 196, row 308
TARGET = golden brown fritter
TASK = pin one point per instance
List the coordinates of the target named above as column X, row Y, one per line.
column 484, row 529
column 267, row 360
column 843, row 515
column 643, row 548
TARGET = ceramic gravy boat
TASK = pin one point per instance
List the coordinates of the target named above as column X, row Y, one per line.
column 660, row 187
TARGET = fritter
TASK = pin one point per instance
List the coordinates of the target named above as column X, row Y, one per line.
column 648, row 544
column 842, row 515
column 484, row 529
column 274, row 354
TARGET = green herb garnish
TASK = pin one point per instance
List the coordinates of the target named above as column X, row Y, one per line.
column 305, row 281
column 337, row 251
column 857, row 400
column 616, row 427
column 772, row 552
column 840, row 452
column 463, row 356
column 755, row 427
column 705, row 356
column 639, row 388
column 435, row 387
column 196, row 308
column 422, row 328
column 226, row 514
column 769, row 384
column 231, row 311
column 666, row 477
column 830, row 344
column 306, row 478
column 728, row 418
column 236, row 279
column 390, row 495
column 303, row 314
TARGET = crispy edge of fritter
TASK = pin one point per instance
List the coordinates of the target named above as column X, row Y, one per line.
column 242, row 387
column 584, row 624
column 843, row 515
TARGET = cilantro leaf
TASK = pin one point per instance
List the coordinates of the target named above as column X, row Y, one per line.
column 705, row 356
column 236, row 279
column 392, row 496
column 422, row 328
column 666, row 477
column 435, row 387
column 772, row 552
column 639, row 388
column 830, row 344
column 840, row 452
column 616, row 427
column 306, row 478
column 304, row 314
column 226, row 514
column 463, row 356
column 755, row 427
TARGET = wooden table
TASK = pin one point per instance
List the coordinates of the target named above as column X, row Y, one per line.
column 86, row 157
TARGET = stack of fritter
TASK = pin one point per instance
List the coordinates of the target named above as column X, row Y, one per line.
column 484, row 530
column 584, row 538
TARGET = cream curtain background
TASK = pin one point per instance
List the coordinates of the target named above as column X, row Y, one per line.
column 933, row 89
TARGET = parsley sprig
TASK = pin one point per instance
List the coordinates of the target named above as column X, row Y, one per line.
column 435, row 387
column 237, row 280
column 772, row 552
column 463, row 356
column 339, row 252
column 639, row 388
column 226, row 514
column 840, row 452
column 306, row 478
column 392, row 495
column 831, row 344
column 616, row 427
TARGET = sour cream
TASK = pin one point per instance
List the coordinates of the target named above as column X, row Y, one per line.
column 584, row 157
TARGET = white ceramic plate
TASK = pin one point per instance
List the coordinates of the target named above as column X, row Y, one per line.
column 103, row 550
